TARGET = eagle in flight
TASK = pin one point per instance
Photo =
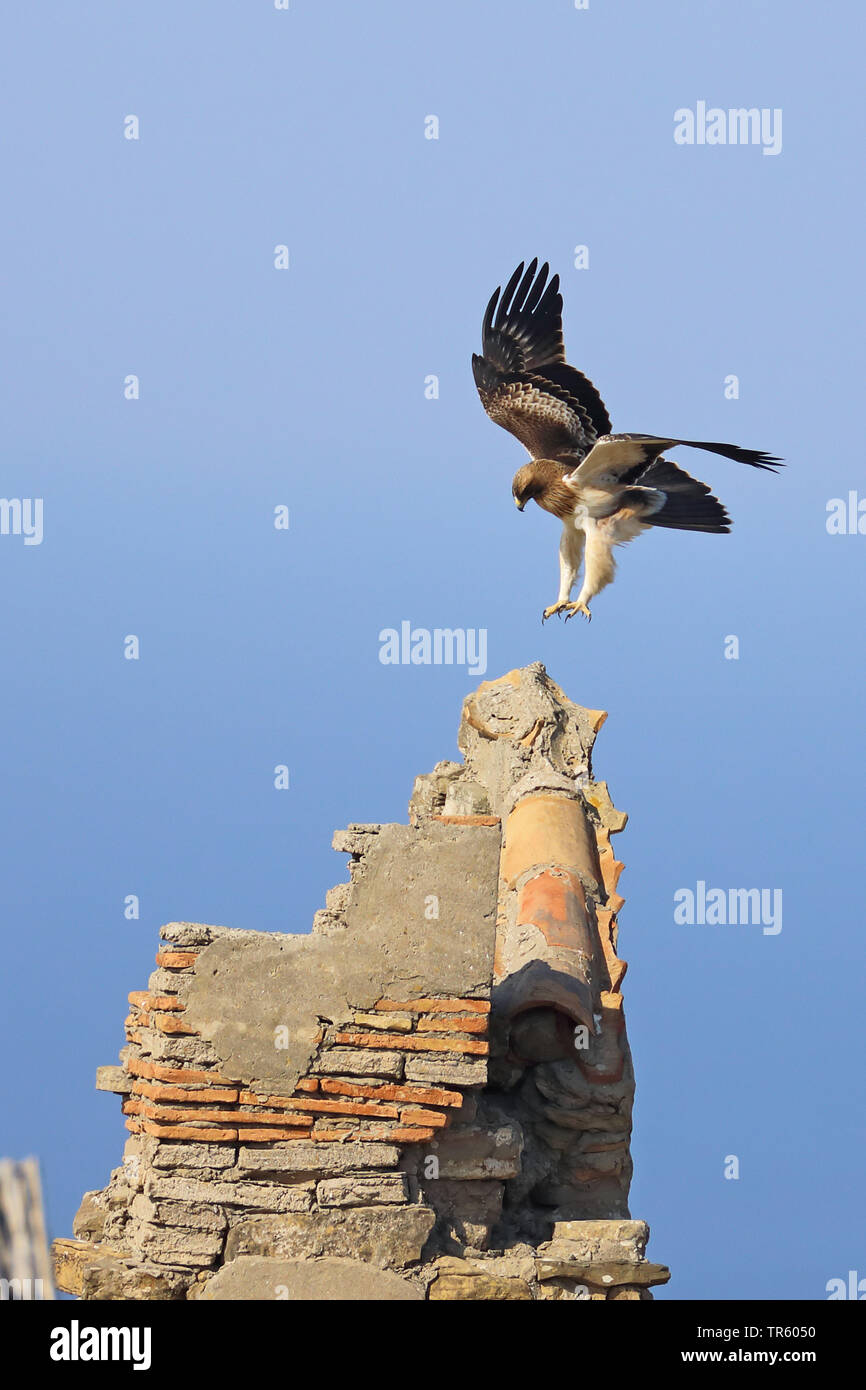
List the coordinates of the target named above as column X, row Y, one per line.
column 605, row 488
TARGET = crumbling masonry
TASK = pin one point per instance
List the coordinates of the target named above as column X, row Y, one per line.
column 430, row 1095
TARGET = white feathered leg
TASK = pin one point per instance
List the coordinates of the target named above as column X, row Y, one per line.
column 570, row 555
column 602, row 534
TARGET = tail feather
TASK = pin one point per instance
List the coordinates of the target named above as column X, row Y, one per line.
column 689, row 504
column 755, row 457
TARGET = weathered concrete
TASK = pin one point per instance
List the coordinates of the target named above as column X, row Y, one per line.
column 245, row 991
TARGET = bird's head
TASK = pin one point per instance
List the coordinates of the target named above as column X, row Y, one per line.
column 526, row 486
column 542, row 481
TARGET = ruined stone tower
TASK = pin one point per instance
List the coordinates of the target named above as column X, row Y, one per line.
column 430, row 1095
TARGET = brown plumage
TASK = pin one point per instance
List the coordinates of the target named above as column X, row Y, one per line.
column 605, row 488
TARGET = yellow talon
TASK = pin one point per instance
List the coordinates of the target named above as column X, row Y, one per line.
column 549, row 612
column 577, row 608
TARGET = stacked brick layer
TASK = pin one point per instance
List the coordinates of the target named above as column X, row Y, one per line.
column 198, row 1105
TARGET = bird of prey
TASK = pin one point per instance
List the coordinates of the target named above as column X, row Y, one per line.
column 605, row 488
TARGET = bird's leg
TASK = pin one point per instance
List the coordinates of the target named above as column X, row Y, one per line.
column 570, row 552
column 598, row 571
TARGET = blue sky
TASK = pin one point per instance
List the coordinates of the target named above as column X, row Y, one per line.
column 305, row 387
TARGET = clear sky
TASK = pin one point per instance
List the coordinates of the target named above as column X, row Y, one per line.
column 305, row 387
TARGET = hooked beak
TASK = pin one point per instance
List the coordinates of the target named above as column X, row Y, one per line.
column 518, row 504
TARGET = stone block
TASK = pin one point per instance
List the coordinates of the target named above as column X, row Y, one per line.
column 246, row 1196
column 389, row 1023
column 100, row 1273
column 176, row 1245
column 488, row 1288
column 173, row 1154
column 317, row 1158
column 114, row 1079
column 602, row 1274
column 196, row 1216
column 467, row 1072
column 253, row 1278
column 358, row 1061
column 613, row 1241
column 478, row 1152
column 168, row 1047
column 378, row 1189
column 89, row 1221
column 390, row 1237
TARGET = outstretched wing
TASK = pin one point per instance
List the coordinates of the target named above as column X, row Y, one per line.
column 523, row 379
column 623, row 459
column 549, row 422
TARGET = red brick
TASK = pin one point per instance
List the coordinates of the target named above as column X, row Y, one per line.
column 168, row 1115
column 143, row 999
column 468, row 820
column 429, row 1006
column 205, row 1093
column 176, row 960
column 423, row 1117
column 391, row 1136
column 139, row 1066
column 188, row 1133
column 453, row 1023
column 261, row 1117
column 268, row 1136
column 336, row 1107
column 398, row 1042
column 169, row 1003
column 167, row 1023
column 423, row 1095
